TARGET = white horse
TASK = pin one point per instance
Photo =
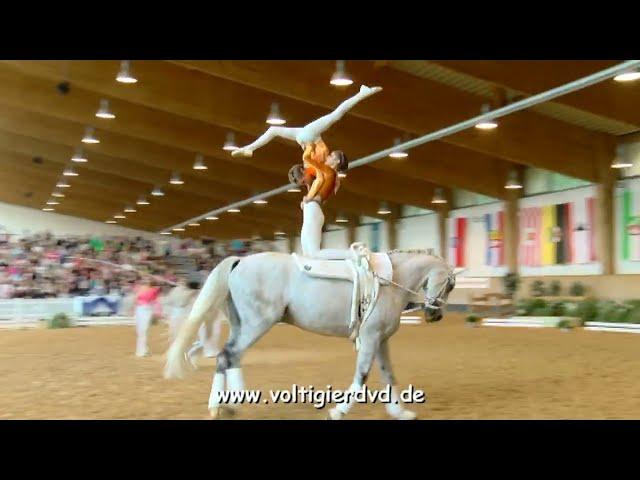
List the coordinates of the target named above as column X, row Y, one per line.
column 262, row 289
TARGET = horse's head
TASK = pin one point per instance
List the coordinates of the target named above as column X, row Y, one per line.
column 440, row 281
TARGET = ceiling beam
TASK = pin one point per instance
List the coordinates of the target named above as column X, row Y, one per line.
column 180, row 135
column 417, row 105
column 610, row 99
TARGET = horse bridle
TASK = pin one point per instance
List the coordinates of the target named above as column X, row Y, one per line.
column 432, row 303
column 436, row 302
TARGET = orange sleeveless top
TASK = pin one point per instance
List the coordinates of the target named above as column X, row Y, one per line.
column 329, row 185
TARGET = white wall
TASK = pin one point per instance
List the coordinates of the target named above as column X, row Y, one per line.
column 21, row 221
column 418, row 232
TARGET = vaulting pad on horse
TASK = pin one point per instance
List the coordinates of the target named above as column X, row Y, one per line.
column 341, row 270
column 364, row 269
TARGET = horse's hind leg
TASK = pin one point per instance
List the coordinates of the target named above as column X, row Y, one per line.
column 368, row 347
column 394, row 408
column 228, row 370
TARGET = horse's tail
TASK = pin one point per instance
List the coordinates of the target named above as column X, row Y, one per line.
column 212, row 296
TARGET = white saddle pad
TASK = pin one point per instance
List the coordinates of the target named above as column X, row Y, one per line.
column 341, row 269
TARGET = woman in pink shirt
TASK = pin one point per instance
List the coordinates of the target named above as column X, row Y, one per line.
column 147, row 303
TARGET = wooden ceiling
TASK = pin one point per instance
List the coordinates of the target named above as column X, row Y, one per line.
column 181, row 108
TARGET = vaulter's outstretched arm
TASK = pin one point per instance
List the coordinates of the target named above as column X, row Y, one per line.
column 312, row 132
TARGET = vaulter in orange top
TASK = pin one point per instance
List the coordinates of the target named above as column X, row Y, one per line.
column 320, row 164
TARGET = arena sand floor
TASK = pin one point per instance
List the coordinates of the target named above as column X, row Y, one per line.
column 467, row 373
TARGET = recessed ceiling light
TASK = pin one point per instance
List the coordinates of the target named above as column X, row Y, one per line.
column 230, row 143
column 157, row 192
column 49, row 209
column 629, row 76
column 110, row 221
column 211, row 218
column 119, row 215
column 340, row 78
column 274, row 117
column 79, row 156
column 125, row 75
column 58, row 194
column 488, row 124
column 194, row 224
column 199, row 163
column 142, row 201
column 175, row 179
column 89, row 136
column 234, row 210
column 69, row 172
column 178, row 229
column 129, row 209
column 104, row 111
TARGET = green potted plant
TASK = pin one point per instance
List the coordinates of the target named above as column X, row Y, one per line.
column 565, row 325
column 537, row 289
column 555, row 288
column 472, row 321
column 511, row 282
column 59, row 320
column 577, row 289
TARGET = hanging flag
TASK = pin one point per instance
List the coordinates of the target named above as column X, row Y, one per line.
column 631, row 225
column 457, row 239
column 530, row 226
column 494, row 224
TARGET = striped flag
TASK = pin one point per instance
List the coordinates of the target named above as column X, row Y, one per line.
column 457, row 241
column 530, row 218
column 631, row 225
column 558, row 234
column 494, row 224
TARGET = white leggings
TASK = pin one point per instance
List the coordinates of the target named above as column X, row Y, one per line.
column 311, row 235
column 144, row 313
column 311, row 132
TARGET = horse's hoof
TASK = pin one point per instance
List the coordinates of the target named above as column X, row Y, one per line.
column 334, row 414
column 406, row 415
column 214, row 413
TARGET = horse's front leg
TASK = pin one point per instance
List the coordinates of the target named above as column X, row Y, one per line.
column 394, row 407
column 366, row 354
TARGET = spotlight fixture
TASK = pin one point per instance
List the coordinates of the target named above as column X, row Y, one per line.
column 57, row 194
column 199, row 163
column 261, row 201
column 274, row 117
column 142, row 200
column 233, row 210
column 69, row 172
column 125, row 75
column 104, row 111
column 62, row 183
column 398, row 153
column 438, row 197
column 89, row 136
column 512, row 182
column 157, row 192
column 384, row 209
column 619, row 160
column 175, row 179
column 129, row 209
column 211, row 218
column 79, row 156
column 487, row 124
column 230, row 143
column 340, row 78
column 629, row 76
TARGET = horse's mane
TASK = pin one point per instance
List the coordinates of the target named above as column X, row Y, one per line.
column 427, row 251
